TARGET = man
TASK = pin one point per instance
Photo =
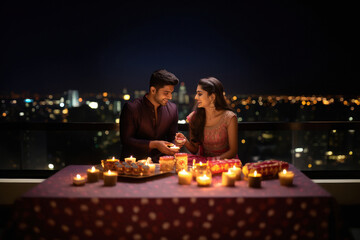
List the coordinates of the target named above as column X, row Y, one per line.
column 149, row 124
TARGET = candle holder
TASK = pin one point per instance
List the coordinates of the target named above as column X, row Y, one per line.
column 286, row 178
column 254, row 180
column 93, row 175
column 199, row 169
column 167, row 163
column 203, row 175
column 181, row 161
column 110, row 164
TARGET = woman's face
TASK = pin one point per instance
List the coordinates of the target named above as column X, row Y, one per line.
column 203, row 98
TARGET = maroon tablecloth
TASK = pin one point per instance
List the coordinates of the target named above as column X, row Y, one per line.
column 159, row 208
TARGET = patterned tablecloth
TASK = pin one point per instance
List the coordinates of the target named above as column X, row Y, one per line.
column 159, row 208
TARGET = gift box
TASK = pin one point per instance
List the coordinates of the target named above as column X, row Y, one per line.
column 219, row 166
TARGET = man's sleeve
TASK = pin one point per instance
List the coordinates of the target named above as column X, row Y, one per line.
column 128, row 126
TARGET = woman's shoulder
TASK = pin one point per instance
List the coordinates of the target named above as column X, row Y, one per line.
column 190, row 116
column 228, row 115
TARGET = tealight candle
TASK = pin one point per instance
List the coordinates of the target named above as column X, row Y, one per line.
column 185, row 177
column 228, row 179
column 79, row 180
column 286, row 178
column 203, row 181
column 254, row 180
column 110, row 178
column 237, row 172
column 174, row 147
column 93, row 174
column 130, row 160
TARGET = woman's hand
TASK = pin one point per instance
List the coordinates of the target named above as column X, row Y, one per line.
column 180, row 139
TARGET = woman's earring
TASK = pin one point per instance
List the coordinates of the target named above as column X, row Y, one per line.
column 212, row 105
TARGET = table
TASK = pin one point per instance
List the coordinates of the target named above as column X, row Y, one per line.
column 159, row 208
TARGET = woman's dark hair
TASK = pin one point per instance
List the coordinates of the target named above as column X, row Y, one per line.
column 197, row 124
column 160, row 78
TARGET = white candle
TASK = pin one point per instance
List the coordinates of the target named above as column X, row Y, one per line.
column 228, row 179
column 184, row 177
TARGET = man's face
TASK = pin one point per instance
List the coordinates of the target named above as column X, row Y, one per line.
column 164, row 94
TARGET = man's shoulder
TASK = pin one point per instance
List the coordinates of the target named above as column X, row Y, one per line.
column 171, row 105
column 135, row 104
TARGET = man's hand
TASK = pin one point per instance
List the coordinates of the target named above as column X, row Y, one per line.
column 163, row 146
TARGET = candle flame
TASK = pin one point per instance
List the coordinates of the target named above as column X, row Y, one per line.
column 78, row 176
column 203, row 177
column 255, row 173
column 93, row 169
column 109, row 172
column 200, row 163
column 131, row 156
column 284, row 171
column 113, row 158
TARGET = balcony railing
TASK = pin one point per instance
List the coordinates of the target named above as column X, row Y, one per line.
column 319, row 149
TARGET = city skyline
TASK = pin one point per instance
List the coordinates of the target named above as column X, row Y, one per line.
column 265, row 48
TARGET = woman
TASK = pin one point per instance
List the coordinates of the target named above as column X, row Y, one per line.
column 213, row 126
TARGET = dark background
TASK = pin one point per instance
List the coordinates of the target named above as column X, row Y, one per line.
column 253, row 47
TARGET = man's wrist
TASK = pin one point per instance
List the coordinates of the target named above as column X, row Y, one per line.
column 153, row 144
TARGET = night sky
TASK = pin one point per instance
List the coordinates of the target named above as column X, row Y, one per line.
column 253, row 47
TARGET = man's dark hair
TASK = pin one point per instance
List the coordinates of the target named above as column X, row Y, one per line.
column 161, row 77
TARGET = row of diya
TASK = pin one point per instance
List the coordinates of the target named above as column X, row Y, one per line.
column 253, row 172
